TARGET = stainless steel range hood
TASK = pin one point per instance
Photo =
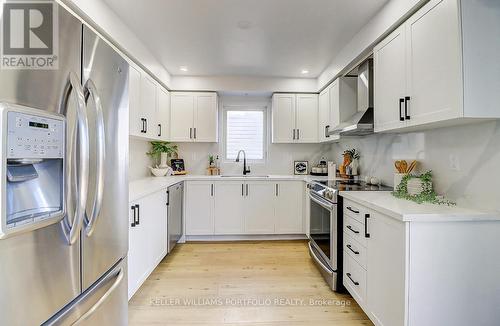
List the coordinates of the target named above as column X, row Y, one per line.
column 361, row 123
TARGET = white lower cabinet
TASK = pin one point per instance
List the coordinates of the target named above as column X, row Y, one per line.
column 416, row 273
column 244, row 207
column 229, row 207
column 147, row 238
column 199, row 208
column 288, row 207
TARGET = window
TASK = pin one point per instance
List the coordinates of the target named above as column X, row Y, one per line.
column 245, row 129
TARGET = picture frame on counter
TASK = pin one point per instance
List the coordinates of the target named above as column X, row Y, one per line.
column 300, row 167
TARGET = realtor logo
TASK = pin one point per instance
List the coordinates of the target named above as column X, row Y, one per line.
column 29, row 32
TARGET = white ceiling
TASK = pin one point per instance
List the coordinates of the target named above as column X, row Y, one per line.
column 277, row 38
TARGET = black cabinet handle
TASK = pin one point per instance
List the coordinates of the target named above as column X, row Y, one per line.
column 159, row 134
column 146, row 130
column 276, row 190
column 401, row 117
column 133, row 220
column 350, row 248
column 326, row 131
column 352, row 210
column 168, row 197
column 293, row 133
column 350, row 228
column 194, row 133
column 143, row 130
column 137, row 222
column 407, row 108
column 353, row 281
column 190, row 133
column 298, row 133
column 242, row 190
column 212, row 190
column 367, row 216
column 247, row 188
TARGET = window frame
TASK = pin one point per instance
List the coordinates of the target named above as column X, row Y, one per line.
column 257, row 107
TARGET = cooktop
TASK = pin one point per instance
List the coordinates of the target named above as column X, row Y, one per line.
column 353, row 185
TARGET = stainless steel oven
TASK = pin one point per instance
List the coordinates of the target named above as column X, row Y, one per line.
column 323, row 235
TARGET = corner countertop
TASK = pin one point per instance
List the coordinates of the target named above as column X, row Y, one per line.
column 146, row 186
column 407, row 211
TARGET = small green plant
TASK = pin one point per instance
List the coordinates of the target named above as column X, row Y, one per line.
column 158, row 147
column 211, row 160
column 428, row 195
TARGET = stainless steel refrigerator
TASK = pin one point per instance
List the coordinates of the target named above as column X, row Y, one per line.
column 64, row 234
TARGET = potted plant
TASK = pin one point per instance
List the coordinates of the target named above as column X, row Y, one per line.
column 160, row 151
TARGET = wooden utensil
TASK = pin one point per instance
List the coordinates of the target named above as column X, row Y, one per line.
column 398, row 167
column 412, row 166
column 404, row 166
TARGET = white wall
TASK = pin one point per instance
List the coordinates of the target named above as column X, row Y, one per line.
column 108, row 22
column 475, row 146
column 387, row 18
column 244, row 84
column 138, row 160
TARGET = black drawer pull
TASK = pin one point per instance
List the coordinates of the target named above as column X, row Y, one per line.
column 407, row 109
column 137, row 222
column 350, row 228
column 401, row 116
column 134, row 218
column 367, row 216
column 350, row 248
column 353, row 281
column 352, row 210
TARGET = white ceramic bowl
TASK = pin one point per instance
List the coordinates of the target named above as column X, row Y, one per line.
column 158, row 172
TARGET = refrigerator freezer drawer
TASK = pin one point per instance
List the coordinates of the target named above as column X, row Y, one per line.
column 104, row 303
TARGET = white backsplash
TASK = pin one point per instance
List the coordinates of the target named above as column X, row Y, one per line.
column 474, row 149
column 138, row 160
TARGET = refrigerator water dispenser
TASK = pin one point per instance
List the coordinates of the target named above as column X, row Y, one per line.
column 33, row 150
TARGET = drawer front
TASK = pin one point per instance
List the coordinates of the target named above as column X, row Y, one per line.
column 355, row 250
column 355, row 229
column 355, row 279
column 355, row 210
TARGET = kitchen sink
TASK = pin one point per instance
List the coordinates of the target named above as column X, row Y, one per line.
column 244, row 176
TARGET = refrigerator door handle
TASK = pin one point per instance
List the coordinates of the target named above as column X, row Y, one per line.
column 91, row 219
column 103, row 299
column 72, row 229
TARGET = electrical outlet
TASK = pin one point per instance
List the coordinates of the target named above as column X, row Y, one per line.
column 454, row 162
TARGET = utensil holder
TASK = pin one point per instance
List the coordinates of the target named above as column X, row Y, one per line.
column 398, row 177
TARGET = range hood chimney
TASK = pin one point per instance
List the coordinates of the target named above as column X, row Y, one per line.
column 361, row 123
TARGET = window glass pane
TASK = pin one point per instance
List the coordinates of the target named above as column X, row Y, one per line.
column 245, row 130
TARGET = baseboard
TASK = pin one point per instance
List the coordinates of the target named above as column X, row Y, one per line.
column 194, row 238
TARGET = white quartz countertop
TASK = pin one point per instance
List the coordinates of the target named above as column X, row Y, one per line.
column 407, row 211
column 146, row 186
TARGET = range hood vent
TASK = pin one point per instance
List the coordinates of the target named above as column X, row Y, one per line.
column 361, row 123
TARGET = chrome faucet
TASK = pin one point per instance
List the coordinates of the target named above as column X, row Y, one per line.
column 245, row 169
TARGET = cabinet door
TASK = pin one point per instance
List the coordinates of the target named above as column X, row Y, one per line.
column 149, row 104
column 199, row 208
column 390, row 81
column 324, row 114
column 288, row 207
column 283, row 116
column 334, row 93
column 307, row 118
column 385, row 270
column 229, row 207
column 163, row 114
column 137, row 252
column 154, row 218
column 259, row 207
column 134, row 97
column 434, row 63
column 182, row 116
column 205, row 117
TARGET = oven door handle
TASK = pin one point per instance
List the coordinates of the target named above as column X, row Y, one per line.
column 319, row 262
column 321, row 202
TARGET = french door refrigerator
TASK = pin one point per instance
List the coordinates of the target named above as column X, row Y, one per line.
column 71, row 270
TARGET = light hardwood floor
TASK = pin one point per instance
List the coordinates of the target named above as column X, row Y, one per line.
column 201, row 283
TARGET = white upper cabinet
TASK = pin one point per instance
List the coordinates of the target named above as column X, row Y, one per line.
column 283, row 118
column 324, row 114
column 390, row 81
column 343, row 101
column 163, row 114
column 307, row 118
column 193, row 117
column 419, row 68
column 295, row 118
column 149, row 106
column 136, row 117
